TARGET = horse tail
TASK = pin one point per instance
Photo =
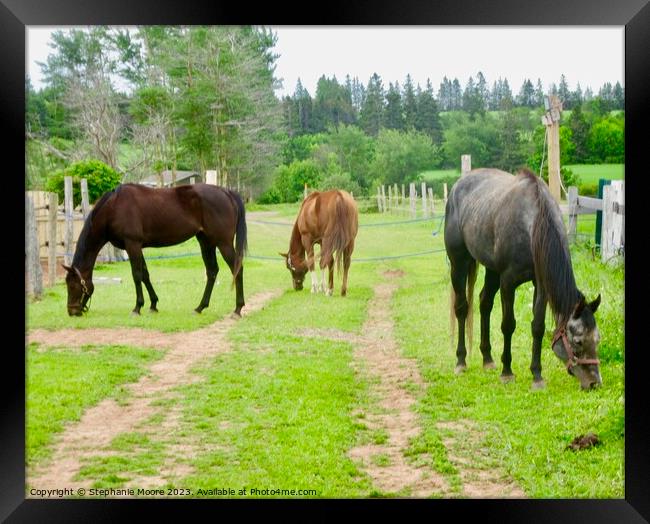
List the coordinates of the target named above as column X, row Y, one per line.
column 342, row 228
column 241, row 241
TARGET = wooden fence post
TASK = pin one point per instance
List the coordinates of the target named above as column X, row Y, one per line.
column 573, row 213
column 391, row 205
column 85, row 205
column 431, row 200
column 383, row 198
column 404, row 197
column 444, row 189
column 423, row 187
column 379, row 200
column 613, row 209
column 68, row 210
column 52, row 208
column 412, row 197
column 32, row 249
column 465, row 164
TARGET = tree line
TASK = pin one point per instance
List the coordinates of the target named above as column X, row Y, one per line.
column 197, row 98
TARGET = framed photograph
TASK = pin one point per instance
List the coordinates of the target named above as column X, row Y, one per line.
column 262, row 259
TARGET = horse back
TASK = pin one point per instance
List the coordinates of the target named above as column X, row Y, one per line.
column 490, row 213
column 322, row 212
column 159, row 217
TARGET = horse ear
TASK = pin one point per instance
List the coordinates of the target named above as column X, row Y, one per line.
column 594, row 305
column 67, row 268
column 283, row 255
column 578, row 310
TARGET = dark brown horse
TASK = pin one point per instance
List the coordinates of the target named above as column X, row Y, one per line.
column 133, row 216
column 328, row 218
column 513, row 227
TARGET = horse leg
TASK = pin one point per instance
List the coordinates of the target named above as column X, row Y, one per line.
column 347, row 260
column 137, row 263
column 330, row 280
column 309, row 249
column 209, row 254
column 508, row 324
column 487, row 294
column 459, row 271
column 152, row 294
column 230, row 256
column 537, row 327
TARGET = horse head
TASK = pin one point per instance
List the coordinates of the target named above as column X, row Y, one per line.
column 576, row 344
column 80, row 289
column 298, row 270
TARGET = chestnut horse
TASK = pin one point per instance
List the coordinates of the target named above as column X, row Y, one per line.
column 330, row 219
column 134, row 216
column 513, row 227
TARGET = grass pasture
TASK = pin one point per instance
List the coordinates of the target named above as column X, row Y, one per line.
column 591, row 173
column 283, row 406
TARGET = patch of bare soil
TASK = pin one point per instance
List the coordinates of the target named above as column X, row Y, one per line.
column 100, row 424
column 481, row 477
column 391, row 375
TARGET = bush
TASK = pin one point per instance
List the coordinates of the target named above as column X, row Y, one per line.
column 587, row 189
column 101, row 178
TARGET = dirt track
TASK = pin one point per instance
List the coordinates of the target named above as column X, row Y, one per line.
column 396, row 385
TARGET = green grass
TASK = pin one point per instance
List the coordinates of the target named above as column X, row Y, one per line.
column 435, row 174
column 524, row 431
column 278, row 410
column 591, row 173
column 62, row 383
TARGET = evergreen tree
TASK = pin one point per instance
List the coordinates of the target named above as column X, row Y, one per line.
column 505, row 100
column 445, row 95
column 563, row 93
column 427, row 118
column 472, row 100
column 579, row 126
column 456, row 99
column 410, row 104
column 393, row 117
column 372, row 111
column 618, row 96
column 482, row 90
column 539, row 94
column 526, row 96
column 304, row 107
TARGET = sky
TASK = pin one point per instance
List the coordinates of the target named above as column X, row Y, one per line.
column 588, row 55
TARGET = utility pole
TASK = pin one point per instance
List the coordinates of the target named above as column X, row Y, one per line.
column 551, row 119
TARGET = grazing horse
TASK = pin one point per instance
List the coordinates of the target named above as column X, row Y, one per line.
column 133, row 216
column 330, row 219
column 513, row 227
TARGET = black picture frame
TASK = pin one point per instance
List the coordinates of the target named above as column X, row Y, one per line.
column 15, row 15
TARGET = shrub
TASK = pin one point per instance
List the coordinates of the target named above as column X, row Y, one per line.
column 101, row 178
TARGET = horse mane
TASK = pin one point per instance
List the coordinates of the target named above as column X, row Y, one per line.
column 550, row 248
column 87, row 227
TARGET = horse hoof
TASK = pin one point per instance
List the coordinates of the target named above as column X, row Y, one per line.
column 538, row 384
column 196, row 311
column 489, row 365
column 329, row 292
column 506, row 379
column 153, row 310
column 135, row 313
column 460, row 369
column 234, row 315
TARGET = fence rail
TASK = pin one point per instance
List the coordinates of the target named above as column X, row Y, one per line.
column 612, row 207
